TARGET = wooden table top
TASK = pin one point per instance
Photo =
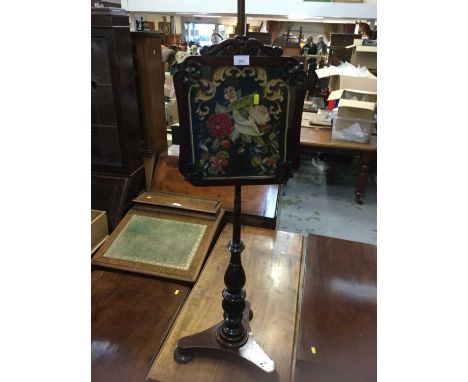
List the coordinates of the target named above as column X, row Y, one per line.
column 257, row 201
column 130, row 316
column 311, row 137
column 338, row 312
column 272, row 261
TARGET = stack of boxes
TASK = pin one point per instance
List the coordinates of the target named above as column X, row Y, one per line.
column 354, row 100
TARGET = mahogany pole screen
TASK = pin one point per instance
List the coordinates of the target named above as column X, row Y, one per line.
column 240, row 108
column 241, row 18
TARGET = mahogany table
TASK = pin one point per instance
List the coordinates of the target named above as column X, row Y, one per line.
column 131, row 315
column 259, row 203
column 272, row 261
column 337, row 329
column 320, row 140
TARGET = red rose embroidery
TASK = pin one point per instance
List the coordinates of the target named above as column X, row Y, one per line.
column 220, row 125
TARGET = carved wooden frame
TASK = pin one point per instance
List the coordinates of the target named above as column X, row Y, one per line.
column 260, row 55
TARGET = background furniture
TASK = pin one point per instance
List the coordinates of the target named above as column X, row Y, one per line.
column 338, row 52
column 116, row 138
column 259, row 203
column 149, row 78
column 319, row 140
column 337, row 337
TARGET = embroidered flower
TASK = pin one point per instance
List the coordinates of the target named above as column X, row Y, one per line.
column 220, row 161
column 230, row 94
column 259, row 114
column 219, row 125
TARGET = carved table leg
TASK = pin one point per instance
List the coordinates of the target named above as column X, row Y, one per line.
column 363, row 175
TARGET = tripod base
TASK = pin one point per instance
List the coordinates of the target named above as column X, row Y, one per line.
column 205, row 342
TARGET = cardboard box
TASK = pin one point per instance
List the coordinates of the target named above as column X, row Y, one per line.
column 354, row 121
column 364, row 56
column 340, row 81
column 353, row 94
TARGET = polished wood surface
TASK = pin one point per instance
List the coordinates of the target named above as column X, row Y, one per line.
column 338, row 313
column 130, row 318
column 179, row 201
column 322, row 138
column 272, row 262
column 259, row 203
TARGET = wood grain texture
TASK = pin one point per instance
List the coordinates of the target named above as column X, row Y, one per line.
column 259, row 203
column 179, row 201
column 338, row 313
column 272, row 261
column 130, row 318
column 317, row 138
column 150, row 73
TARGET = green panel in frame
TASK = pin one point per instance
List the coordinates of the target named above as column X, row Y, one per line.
column 240, row 120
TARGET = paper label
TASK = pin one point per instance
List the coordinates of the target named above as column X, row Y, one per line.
column 242, row 60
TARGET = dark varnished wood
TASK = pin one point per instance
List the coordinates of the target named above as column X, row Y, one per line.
column 130, row 318
column 116, row 140
column 272, row 261
column 259, row 203
column 113, row 193
column 116, row 137
column 338, row 313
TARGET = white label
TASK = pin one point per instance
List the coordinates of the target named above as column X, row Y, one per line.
column 241, row 60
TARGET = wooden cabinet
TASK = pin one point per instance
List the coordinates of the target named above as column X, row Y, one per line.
column 116, row 138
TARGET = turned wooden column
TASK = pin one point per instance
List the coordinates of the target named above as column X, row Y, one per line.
column 231, row 332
